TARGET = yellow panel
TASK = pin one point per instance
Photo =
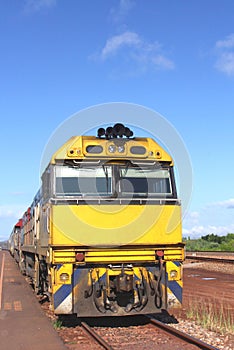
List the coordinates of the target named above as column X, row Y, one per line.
column 174, row 254
column 120, row 256
column 106, row 259
column 75, row 147
column 120, row 253
column 105, row 225
column 117, row 255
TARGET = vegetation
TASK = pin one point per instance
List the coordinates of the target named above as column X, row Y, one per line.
column 210, row 242
column 207, row 314
column 57, row 324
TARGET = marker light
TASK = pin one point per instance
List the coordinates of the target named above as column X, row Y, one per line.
column 80, row 257
column 160, row 253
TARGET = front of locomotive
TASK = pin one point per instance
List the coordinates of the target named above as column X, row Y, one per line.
column 115, row 228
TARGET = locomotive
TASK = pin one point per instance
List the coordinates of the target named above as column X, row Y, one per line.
column 102, row 236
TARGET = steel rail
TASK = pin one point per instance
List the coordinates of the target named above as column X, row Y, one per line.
column 188, row 338
column 207, row 258
column 96, row 336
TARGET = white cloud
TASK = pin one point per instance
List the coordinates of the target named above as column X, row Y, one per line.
column 192, row 216
column 117, row 14
column 11, row 211
column 37, row 5
column 214, row 218
column 162, row 61
column 115, row 43
column 225, row 63
column 203, row 230
column 228, row 204
column 190, row 220
column 137, row 52
column 225, row 55
column 226, row 43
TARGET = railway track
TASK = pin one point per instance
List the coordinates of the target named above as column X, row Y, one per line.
column 160, row 326
column 96, row 336
column 186, row 337
column 210, row 258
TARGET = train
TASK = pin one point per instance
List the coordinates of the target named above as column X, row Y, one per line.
column 103, row 235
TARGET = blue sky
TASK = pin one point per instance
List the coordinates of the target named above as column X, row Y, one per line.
column 175, row 57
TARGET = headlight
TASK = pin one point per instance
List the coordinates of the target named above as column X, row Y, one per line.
column 64, row 277
column 112, row 148
column 173, row 274
column 121, row 149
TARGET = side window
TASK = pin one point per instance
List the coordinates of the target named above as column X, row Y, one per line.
column 46, row 180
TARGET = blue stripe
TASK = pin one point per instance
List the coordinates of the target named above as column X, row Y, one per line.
column 176, row 289
column 102, row 278
column 61, row 294
column 66, row 289
column 136, row 278
column 177, row 263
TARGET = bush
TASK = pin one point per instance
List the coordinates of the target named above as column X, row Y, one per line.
column 211, row 242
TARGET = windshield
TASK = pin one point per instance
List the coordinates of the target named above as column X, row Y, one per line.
column 145, row 181
column 85, row 180
column 114, row 180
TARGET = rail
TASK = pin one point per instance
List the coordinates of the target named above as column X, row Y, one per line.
column 186, row 337
column 96, row 336
column 209, row 258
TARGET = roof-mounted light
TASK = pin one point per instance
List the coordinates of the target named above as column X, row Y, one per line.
column 117, row 131
column 101, row 132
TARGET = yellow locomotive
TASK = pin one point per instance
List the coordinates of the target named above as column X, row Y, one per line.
column 103, row 234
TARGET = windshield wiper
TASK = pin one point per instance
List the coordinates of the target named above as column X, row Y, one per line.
column 125, row 170
column 107, row 178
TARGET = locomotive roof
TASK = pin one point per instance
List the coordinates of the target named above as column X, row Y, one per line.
column 91, row 147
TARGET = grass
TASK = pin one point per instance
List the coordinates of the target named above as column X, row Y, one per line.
column 210, row 316
column 57, row 324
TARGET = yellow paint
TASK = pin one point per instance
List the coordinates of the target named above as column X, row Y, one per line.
column 68, row 256
column 174, row 254
column 103, row 225
column 76, row 146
